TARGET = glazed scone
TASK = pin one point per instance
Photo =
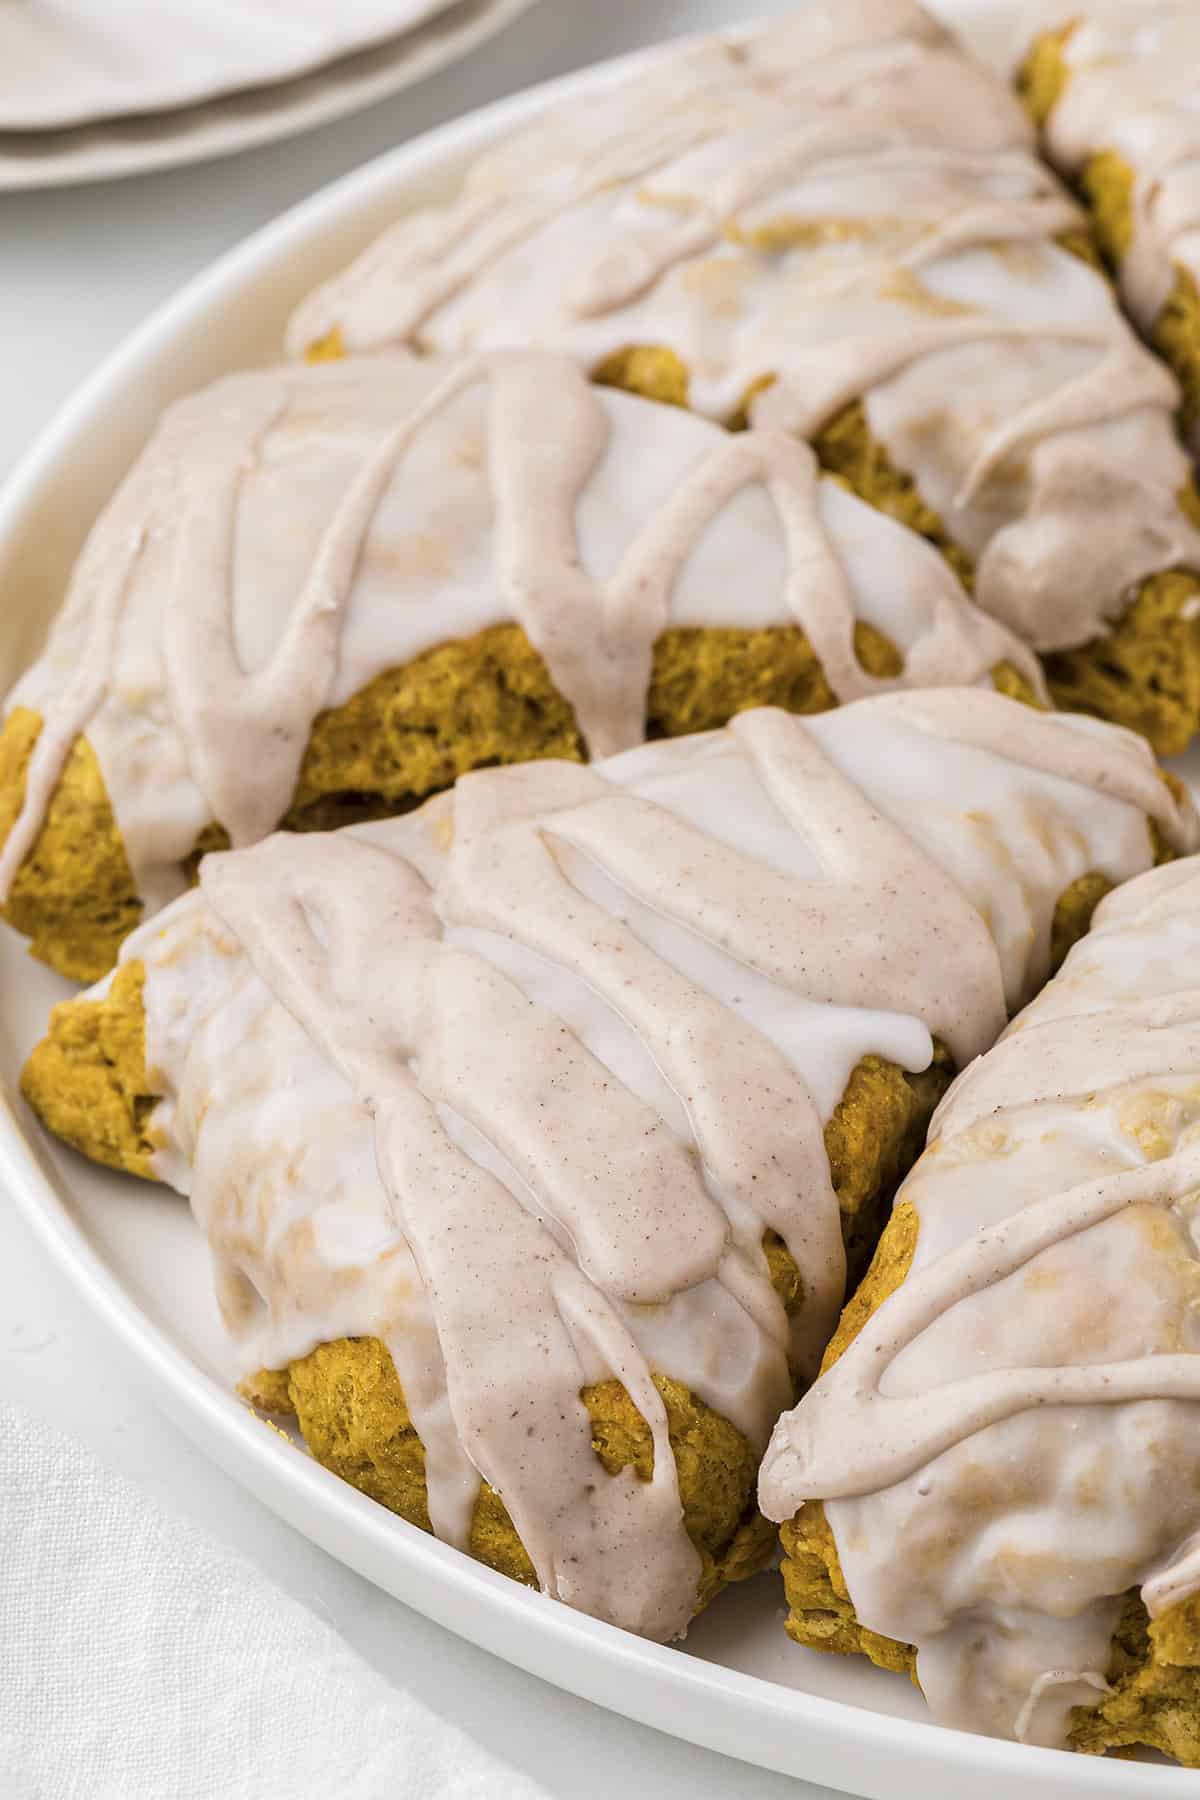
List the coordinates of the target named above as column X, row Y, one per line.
column 1113, row 86
column 538, row 1126
column 324, row 593
column 838, row 226
column 1004, row 1437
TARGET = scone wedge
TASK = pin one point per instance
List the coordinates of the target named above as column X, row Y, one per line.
column 995, row 1484
column 836, row 225
column 323, row 593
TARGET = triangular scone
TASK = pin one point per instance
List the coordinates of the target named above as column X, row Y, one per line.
column 837, row 225
column 1114, row 85
column 532, row 1133
column 324, row 593
column 1005, row 1437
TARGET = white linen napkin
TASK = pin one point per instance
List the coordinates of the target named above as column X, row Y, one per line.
column 140, row 1660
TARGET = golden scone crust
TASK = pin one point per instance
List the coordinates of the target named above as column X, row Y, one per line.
column 1154, row 1666
column 351, row 1409
column 1144, row 672
column 73, row 896
column 875, row 1135
column 1106, row 182
column 87, row 1079
column 467, row 704
column 820, row 1613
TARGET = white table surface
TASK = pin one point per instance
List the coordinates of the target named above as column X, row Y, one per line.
column 78, row 269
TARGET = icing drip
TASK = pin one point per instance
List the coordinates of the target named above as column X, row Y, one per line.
column 518, row 1083
column 797, row 227
column 246, row 731
column 297, row 532
column 1131, row 88
column 1009, row 1444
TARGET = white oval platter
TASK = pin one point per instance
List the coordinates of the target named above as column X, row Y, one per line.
column 738, row 1686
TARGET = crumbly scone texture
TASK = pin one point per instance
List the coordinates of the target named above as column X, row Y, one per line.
column 873, row 1138
column 1144, row 672
column 1106, row 183
column 73, row 896
column 351, row 1409
column 89, row 1083
column 87, row 1079
column 1154, row 1668
column 467, row 704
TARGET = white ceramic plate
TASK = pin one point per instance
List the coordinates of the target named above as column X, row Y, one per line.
column 138, row 144
column 78, row 61
column 133, row 1252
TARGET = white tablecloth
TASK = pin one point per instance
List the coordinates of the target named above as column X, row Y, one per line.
column 142, row 1657
column 78, row 269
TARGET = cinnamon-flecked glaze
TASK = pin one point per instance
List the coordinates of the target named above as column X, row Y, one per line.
column 291, row 534
column 519, row 1084
column 841, row 209
column 1125, row 86
column 1011, row 1442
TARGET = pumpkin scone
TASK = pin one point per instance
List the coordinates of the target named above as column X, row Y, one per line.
column 1115, row 87
column 837, row 225
column 532, row 1133
column 324, row 593
column 995, row 1484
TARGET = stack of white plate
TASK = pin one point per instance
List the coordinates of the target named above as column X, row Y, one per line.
column 91, row 89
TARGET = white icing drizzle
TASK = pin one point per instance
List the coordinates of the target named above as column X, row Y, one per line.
column 304, row 530
column 1009, row 1444
column 848, row 205
column 1132, row 89
column 518, row 1083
